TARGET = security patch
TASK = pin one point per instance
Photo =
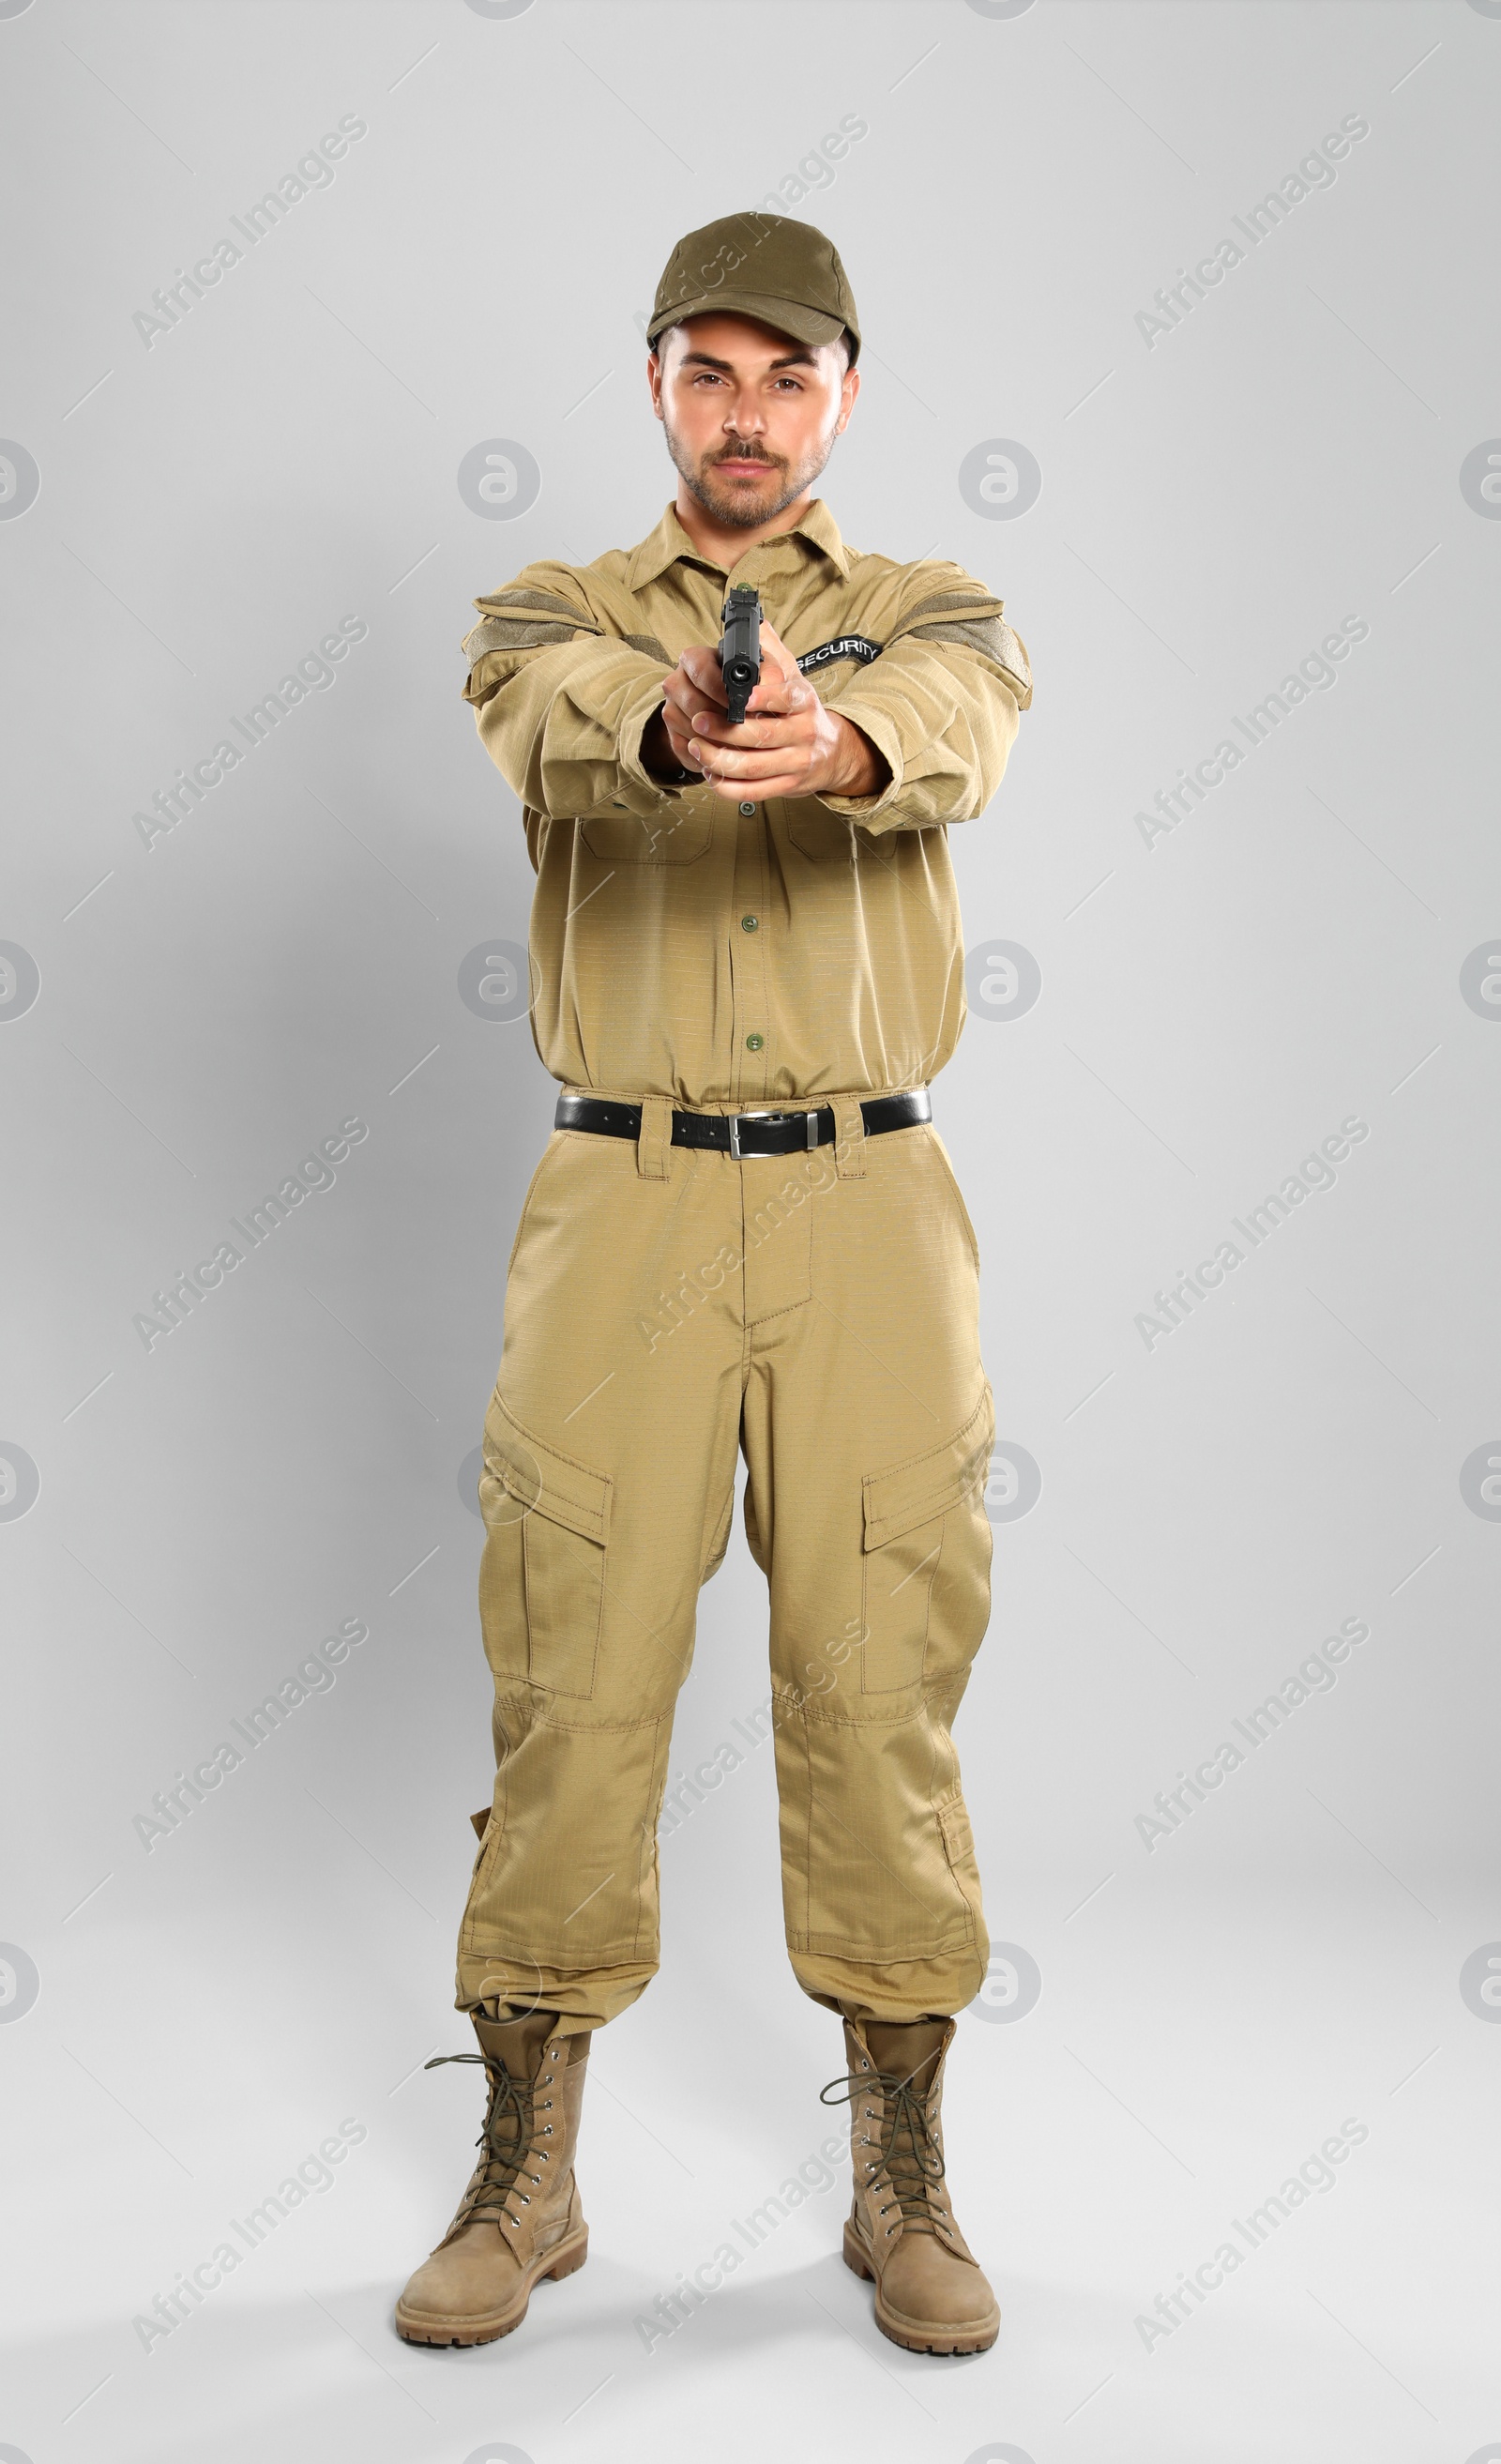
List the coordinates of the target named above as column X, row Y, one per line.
column 846, row 646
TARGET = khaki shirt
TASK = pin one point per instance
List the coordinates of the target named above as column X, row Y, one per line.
column 787, row 950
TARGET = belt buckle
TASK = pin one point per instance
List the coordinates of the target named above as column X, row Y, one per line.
column 766, row 1112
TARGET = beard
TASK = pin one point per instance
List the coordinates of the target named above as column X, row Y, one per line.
column 739, row 504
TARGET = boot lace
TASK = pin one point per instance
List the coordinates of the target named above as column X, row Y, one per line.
column 497, row 2177
column 909, row 2153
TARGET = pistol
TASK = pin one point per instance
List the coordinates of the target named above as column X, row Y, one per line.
column 740, row 650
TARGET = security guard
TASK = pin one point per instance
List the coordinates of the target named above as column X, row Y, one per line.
column 743, row 1236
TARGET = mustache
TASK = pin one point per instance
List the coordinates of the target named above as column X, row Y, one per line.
column 746, row 454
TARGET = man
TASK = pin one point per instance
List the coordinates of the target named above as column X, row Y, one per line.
column 743, row 1235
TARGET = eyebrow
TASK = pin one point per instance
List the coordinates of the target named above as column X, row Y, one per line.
column 705, row 359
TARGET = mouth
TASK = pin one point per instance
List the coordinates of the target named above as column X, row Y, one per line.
column 742, row 466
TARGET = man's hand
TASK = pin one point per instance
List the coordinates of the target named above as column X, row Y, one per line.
column 789, row 745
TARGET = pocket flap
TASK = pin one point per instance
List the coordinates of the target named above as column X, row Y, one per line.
column 925, row 1487
column 541, row 1479
column 954, row 1823
column 672, row 834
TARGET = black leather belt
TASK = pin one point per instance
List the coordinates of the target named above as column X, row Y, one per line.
column 759, row 1132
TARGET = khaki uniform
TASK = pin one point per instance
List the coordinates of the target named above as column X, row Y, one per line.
column 668, row 1307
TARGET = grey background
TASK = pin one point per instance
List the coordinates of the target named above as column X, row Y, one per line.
column 1211, row 1006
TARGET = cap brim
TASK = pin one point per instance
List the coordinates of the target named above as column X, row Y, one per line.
column 784, row 316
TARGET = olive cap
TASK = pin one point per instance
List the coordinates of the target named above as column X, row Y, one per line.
column 784, row 273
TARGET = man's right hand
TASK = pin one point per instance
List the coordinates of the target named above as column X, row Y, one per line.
column 695, row 686
column 657, row 758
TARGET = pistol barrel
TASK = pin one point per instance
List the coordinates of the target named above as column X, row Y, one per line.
column 740, row 650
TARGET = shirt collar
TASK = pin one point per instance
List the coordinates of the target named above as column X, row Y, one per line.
column 670, row 544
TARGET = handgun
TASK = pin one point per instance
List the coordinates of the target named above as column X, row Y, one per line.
column 740, row 650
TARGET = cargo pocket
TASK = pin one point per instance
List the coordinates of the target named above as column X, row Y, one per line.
column 542, row 1576
column 906, row 1520
column 480, row 1823
column 958, row 1838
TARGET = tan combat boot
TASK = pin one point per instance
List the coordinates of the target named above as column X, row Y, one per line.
column 521, row 2216
column 929, row 2293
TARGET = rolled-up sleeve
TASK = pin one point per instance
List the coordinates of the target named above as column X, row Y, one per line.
column 560, row 703
column 941, row 704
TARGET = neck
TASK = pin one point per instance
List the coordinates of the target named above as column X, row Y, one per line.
column 725, row 543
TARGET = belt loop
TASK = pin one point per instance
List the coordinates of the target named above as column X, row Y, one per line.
column 654, row 1145
column 849, row 1138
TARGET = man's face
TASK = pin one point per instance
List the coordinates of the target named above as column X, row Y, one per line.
column 750, row 414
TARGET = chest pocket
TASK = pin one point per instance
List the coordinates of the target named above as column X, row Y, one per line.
column 676, row 833
column 830, row 839
column 827, row 837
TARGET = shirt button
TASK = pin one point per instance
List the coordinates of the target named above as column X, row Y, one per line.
column 747, row 808
column 753, row 1043
column 749, row 923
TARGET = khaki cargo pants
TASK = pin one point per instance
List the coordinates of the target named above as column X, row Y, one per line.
column 667, row 1307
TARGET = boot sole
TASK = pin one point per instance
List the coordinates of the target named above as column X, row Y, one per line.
column 420, row 2330
column 918, row 2335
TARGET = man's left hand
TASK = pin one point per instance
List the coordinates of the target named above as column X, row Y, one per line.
column 789, row 743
